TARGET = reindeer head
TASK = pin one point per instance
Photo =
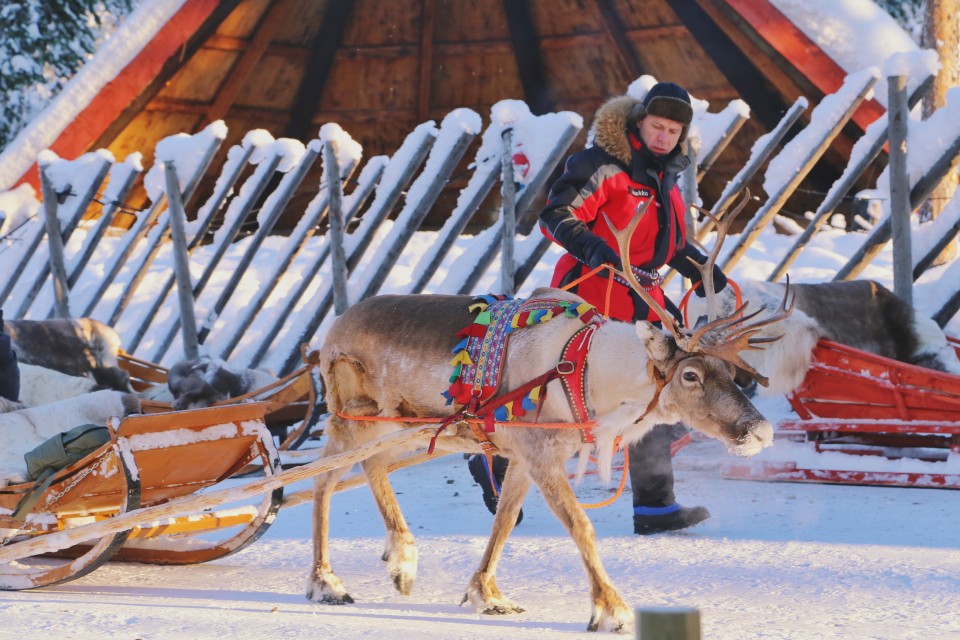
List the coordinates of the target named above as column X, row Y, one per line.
column 696, row 367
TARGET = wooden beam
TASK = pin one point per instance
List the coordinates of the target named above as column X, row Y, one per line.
column 272, row 19
column 323, row 48
column 616, row 33
column 750, row 76
column 799, row 57
column 526, row 49
column 428, row 18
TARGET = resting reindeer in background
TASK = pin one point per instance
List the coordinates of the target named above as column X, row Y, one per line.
column 859, row 313
column 389, row 356
column 80, row 347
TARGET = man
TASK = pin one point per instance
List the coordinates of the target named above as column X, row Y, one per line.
column 9, row 371
column 635, row 156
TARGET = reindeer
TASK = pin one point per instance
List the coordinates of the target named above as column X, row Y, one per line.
column 388, row 356
column 859, row 313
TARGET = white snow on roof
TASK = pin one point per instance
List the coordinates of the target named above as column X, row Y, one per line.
column 115, row 54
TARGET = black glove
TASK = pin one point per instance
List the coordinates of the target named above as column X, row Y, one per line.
column 600, row 253
column 719, row 282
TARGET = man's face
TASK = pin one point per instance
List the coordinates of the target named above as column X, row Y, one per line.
column 660, row 134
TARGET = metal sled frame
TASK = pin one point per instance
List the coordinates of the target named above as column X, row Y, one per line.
column 150, row 460
column 859, row 404
column 292, row 400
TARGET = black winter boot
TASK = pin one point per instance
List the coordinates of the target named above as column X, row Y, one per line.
column 650, row 520
column 478, row 469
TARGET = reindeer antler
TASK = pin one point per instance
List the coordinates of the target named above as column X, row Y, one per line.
column 623, row 237
column 727, row 337
column 723, row 337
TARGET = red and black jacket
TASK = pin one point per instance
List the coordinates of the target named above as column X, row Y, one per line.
column 615, row 177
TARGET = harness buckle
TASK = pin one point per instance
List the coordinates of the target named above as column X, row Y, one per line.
column 566, row 367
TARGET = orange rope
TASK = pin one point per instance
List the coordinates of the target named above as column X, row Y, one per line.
column 623, row 481
column 738, row 299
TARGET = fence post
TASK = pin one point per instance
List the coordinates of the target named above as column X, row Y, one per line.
column 55, row 246
column 900, row 189
column 668, row 623
column 181, row 264
column 508, row 214
column 335, row 218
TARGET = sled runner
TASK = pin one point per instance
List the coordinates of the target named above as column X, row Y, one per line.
column 866, row 419
column 140, row 496
column 149, row 460
column 294, row 405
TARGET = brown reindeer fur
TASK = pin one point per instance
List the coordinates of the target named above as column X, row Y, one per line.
column 390, row 356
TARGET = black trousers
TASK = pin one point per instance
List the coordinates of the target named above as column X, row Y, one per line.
column 9, row 370
column 651, row 466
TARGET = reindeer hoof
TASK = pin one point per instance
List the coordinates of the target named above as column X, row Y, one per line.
column 330, row 599
column 328, row 590
column 502, row 610
column 403, row 583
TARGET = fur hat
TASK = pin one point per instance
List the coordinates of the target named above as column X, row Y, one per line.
column 666, row 100
column 669, row 100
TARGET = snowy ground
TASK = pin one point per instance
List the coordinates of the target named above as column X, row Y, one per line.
column 776, row 561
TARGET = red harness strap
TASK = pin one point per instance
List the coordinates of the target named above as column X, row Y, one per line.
column 573, row 376
column 572, row 373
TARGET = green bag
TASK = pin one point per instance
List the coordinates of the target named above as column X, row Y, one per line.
column 56, row 453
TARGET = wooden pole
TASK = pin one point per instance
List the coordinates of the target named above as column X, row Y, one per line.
column 181, row 264
column 668, row 623
column 533, row 186
column 508, row 213
column 335, row 217
column 900, row 189
column 55, row 246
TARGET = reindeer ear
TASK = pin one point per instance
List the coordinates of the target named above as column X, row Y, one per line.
column 658, row 344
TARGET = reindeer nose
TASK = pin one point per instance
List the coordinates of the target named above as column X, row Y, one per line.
column 757, row 437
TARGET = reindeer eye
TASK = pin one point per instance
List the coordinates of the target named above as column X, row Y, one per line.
column 690, row 376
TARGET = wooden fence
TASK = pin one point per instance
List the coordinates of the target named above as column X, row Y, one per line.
column 129, row 280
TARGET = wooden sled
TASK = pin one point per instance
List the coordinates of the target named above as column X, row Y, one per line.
column 294, row 402
column 150, row 460
column 870, row 420
column 138, row 498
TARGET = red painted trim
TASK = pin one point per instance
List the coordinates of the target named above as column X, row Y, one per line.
column 802, row 52
column 120, row 92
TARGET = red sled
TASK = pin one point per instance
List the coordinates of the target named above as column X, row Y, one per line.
column 866, row 419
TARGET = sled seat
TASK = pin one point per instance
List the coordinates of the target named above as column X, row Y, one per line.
column 294, row 402
column 149, row 460
column 866, row 419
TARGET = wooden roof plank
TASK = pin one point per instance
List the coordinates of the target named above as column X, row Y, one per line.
column 323, row 48
column 271, row 21
column 616, row 33
column 526, row 47
column 428, row 15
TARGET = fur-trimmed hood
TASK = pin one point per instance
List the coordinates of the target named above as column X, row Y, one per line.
column 609, row 128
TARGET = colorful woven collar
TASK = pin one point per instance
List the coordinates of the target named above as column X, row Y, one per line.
column 478, row 357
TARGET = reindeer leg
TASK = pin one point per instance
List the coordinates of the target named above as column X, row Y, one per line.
column 400, row 552
column 323, row 584
column 610, row 612
column 482, row 592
